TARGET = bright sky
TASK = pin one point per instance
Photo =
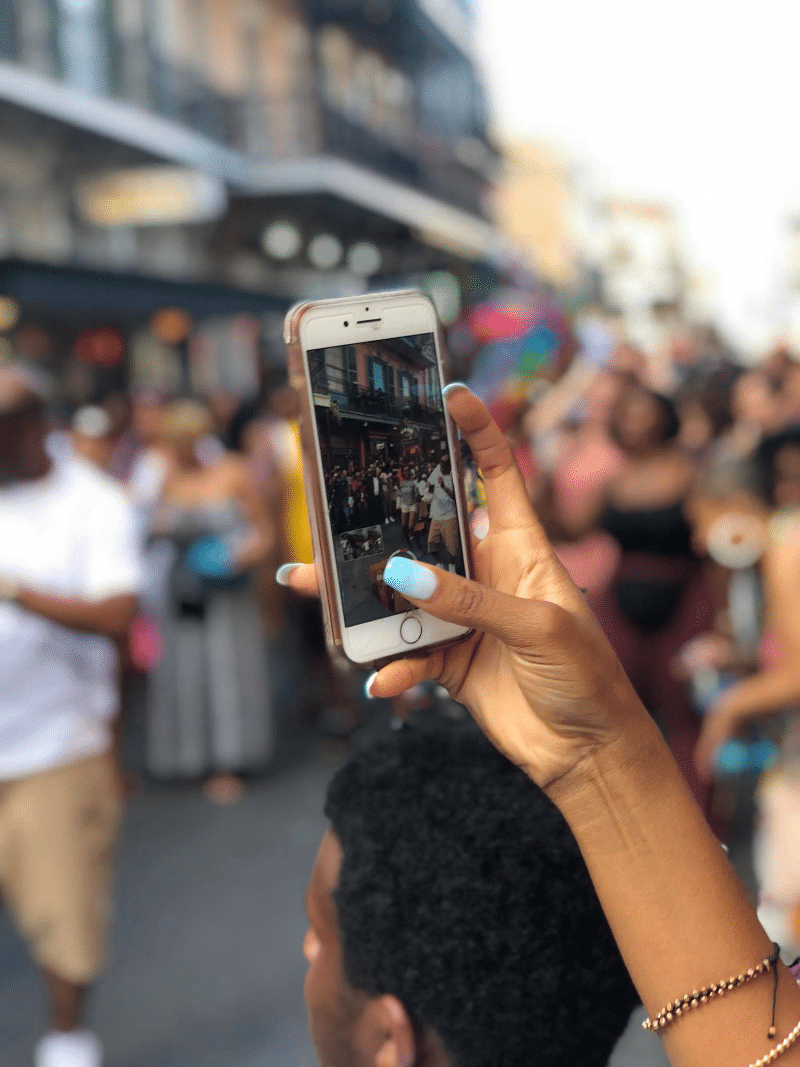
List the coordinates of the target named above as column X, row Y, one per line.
column 694, row 103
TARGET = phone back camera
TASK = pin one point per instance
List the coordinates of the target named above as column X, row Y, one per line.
column 347, row 323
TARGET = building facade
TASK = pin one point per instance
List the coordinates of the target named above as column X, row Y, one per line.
column 224, row 158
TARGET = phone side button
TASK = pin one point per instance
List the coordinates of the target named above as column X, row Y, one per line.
column 410, row 630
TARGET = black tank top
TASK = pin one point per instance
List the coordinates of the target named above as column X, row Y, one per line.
column 658, row 531
column 649, row 603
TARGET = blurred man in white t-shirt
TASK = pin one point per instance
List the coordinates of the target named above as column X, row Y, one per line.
column 69, row 576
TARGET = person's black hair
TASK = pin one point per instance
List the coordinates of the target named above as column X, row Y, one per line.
column 765, row 455
column 713, row 394
column 668, row 415
column 463, row 893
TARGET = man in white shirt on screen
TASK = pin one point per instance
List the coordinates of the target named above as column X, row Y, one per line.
column 69, row 577
column 444, row 543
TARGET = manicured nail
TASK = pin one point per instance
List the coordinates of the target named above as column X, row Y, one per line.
column 410, row 578
column 480, row 523
column 368, row 685
column 282, row 573
column 451, row 388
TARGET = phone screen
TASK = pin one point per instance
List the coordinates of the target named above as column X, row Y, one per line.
column 386, row 464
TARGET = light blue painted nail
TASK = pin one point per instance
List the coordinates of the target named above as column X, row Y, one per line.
column 282, row 573
column 479, row 522
column 410, row 578
column 451, row 388
column 368, row 685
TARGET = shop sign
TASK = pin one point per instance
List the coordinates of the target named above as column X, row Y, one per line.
column 151, row 196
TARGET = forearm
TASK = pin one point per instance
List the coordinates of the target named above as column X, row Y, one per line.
column 764, row 693
column 109, row 617
column 678, row 912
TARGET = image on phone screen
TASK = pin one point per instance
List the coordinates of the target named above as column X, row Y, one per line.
column 386, row 464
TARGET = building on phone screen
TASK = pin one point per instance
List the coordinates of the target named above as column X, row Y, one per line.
column 378, row 403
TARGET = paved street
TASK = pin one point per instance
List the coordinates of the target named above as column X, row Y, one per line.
column 207, row 968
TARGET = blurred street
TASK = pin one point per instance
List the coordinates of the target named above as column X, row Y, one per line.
column 207, row 968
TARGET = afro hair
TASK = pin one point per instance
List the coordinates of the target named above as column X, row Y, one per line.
column 463, row 893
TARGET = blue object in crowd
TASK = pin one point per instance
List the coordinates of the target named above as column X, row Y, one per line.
column 740, row 757
column 209, row 557
column 731, row 758
column 762, row 753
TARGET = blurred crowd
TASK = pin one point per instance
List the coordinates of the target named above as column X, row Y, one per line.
column 666, row 485
column 671, row 490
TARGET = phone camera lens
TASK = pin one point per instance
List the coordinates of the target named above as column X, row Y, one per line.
column 347, row 323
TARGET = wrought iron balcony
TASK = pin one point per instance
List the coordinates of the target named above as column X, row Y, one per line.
column 364, row 403
column 275, row 128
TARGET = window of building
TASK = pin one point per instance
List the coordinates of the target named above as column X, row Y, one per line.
column 361, row 84
column 8, row 32
column 377, row 375
column 83, row 44
column 336, row 373
column 336, row 57
column 36, row 36
column 318, row 371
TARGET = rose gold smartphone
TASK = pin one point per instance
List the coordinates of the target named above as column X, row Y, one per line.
column 381, row 465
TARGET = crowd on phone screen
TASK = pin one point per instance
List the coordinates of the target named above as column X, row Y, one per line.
column 377, row 493
column 416, row 494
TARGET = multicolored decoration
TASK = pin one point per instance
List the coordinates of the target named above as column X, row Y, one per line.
column 524, row 337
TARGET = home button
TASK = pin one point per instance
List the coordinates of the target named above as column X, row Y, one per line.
column 411, row 629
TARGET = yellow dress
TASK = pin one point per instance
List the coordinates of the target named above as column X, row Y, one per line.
column 298, row 528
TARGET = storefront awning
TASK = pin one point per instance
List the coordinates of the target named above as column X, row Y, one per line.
column 72, row 291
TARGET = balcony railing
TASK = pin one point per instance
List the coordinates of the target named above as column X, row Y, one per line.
column 276, row 128
column 376, row 403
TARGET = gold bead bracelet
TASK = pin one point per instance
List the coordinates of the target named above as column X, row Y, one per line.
column 690, row 1001
column 780, row 1048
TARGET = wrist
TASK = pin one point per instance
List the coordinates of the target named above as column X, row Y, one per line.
column 628, row 767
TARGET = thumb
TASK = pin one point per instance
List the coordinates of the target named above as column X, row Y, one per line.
column 521, row 624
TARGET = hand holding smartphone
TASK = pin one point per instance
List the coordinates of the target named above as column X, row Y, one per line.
column 374, row 429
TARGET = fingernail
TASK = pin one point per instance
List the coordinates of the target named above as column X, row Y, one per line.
column 368, row 685
column 410, row 578
column 451, row 388
column 282, row 573
column 480, row 523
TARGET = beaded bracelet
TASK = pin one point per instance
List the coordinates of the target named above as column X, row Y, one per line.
column 780, row 1048
column 698, row 997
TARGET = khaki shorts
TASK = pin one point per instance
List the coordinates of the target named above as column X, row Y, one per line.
column 58, row 832
column 444, row 530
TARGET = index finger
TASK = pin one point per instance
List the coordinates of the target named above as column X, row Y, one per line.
column 507, row 498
